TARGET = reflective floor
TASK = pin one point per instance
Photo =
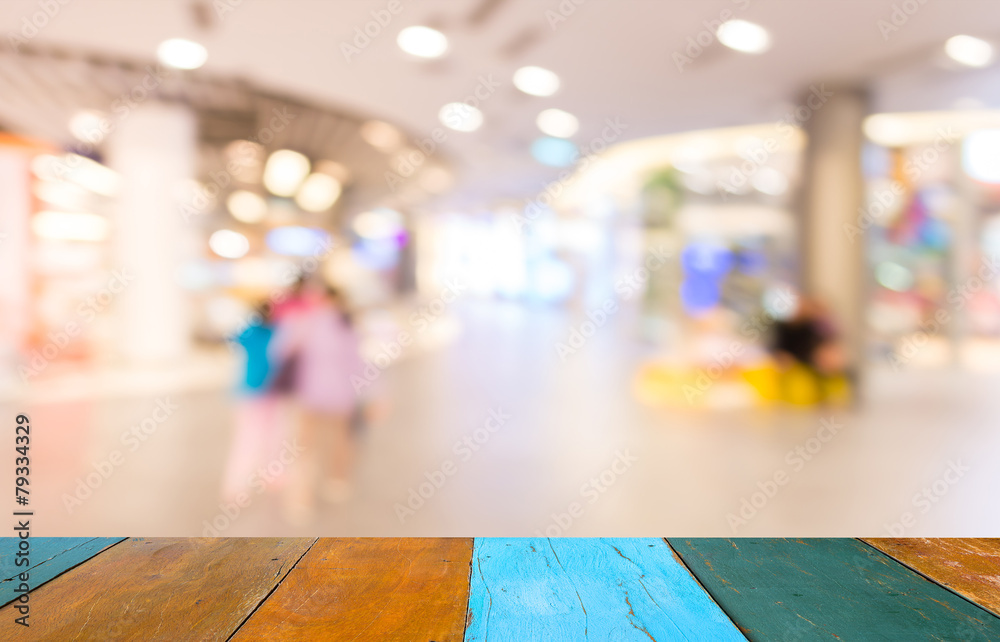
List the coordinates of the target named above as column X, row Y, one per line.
column 575, row 454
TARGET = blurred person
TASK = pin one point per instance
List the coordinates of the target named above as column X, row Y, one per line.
column 808, row 342
column 258, row 432
column 322, row 342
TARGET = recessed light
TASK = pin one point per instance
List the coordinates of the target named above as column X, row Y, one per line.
column 969, row 51
column 246, row 207
column 181, row 54
column 744, row 36
column 536, row 81
column 423, row 42
column 461, row 117
column 381, row 135
column 558, row 123
column 284, row 172
column 229, row 244
column 318, row 193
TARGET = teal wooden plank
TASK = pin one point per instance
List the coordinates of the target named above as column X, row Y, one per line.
column 587, row 589
column 828, row 589
column 49, row 557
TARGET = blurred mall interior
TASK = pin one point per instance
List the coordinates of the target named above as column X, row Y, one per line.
column 567, row 232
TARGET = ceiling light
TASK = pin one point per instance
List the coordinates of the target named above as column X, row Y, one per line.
column 536, row 81
column 318, row 193
column 744, row 36
column 229, row 244
column 969, row 51
column 422, row 41
column 335, row 169
column 461, row 117
column 284, row 172
column 70, row 226
column 981, row 156
column 380, row 223
column 87, row 126
column 381, row 135
column 246, row 207
column 558, row 123
column 181, row 54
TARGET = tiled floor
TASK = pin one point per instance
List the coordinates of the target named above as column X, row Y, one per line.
column 683, row 472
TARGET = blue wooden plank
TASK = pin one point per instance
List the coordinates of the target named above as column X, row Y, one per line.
column 587, row 589
column 49, row 557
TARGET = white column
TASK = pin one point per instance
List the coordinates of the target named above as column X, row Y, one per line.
column 154, row 149
column 833, row 261
column 15, row 208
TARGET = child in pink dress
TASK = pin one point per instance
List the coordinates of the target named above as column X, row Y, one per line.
column 326, row 353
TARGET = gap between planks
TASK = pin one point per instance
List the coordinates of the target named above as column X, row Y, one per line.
column 928, row 577
column 271, row 592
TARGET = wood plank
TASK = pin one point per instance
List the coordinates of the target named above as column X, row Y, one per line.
column 48, row 557
column 967, row 566
column 582, row 589
column 825, row 589
column 405, row 589
column 159, row 589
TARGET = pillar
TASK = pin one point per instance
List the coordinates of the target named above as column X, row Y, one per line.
column 833, row 191
column 154, row 149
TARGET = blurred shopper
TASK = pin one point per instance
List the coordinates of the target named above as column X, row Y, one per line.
column 807, row 348
column 321, row 342
column 258, row 431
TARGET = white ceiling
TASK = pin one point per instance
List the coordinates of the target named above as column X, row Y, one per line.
column 614, row 58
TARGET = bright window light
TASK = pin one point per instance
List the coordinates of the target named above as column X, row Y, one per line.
column 981, row 156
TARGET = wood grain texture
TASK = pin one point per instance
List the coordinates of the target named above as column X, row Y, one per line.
column 967, row 566
column 828, row 589
column 406, row 589
column 588, row 589
column 49, row 556
column 159, row 589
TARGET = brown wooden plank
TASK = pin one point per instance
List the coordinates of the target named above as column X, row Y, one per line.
column 159, row 589
column 968, row 566
column 407, row 589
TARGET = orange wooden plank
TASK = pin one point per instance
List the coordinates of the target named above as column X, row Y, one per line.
column 370, row 589
column 158, row 589
column 967, row 566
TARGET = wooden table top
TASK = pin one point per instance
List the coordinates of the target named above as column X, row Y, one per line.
column 517, row 590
